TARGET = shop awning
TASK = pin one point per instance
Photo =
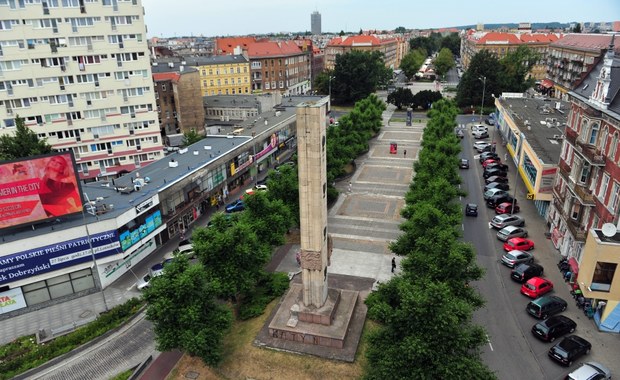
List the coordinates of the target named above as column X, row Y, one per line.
column 546, row 83
column 574, row 265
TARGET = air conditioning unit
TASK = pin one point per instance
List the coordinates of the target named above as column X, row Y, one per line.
column 133, row 115
column 96, row 137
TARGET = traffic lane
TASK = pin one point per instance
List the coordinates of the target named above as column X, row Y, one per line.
column 508, row 352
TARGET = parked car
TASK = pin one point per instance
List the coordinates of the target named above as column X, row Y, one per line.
column 505, row 220
column 480, row 146
column 489, row 172
column 464, row 163
column 510, row 232
column 488, row 162
column 496, row 178
column 536, row 287
column 569, row 349
column 495, row 201
column 590, row 371
column 497, row 185
column 524, row 272
column 471, row 209
column 506, row 208
column 235, row 206
column 489, row 120
column 186, row 248
column 480, row 134
column 493, row 192
column 553, row 327
column 255, row 189
column 497, row 165
column 521, row 244
column 546, row 306
column 479, row 127
column 144, row 282
column 514, row 258
column 488, row 156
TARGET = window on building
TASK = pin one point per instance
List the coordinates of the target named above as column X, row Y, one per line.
column 529, row 168
column 602, row 190
column 583, row 132
column 594, row 133
column 614, row 198
column 604, row 138
column 603, row 276
column 614, row 147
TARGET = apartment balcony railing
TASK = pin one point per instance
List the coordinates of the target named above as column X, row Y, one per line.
column 576, row 230
column 584, row 194
column 559, row 194
column 589, row 152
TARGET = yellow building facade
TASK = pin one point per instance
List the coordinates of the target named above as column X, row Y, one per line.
column 223, row 75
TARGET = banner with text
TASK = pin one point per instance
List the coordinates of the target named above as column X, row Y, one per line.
column 53, row 257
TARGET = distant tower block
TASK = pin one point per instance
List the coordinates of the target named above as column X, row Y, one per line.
column 312, row 172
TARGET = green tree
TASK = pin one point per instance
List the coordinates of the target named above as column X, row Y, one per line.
column 412, row 61
column 577, row 28
column 23, row 143
column 321, row 82
column 424, row 43
column 182, row 305
column 400, row 29
column 516, row 67
column 191, row 137
column 425, row 98
column 270, row 218
column 453, row 42
column 358, row 74
column 443, row 62
column 400, row 97
column 284, row 186
column 469, row 91
column 233, row 257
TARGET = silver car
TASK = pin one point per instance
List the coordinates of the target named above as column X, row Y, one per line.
column 513, row 258
column 511, row 232
column 492, row 192
column 505, row 220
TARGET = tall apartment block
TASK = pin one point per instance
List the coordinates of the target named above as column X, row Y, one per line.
column 78, row 73
column 315, row 23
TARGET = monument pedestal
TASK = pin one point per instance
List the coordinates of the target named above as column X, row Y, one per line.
column 324, row 326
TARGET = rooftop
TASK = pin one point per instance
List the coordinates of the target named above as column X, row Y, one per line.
column 542, row 123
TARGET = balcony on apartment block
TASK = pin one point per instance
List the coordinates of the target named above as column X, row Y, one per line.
column 589, row 152
column 578, row 231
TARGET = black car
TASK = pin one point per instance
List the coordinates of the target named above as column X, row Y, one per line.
column 464, row 163
column 569, row 349
column 489, row 156
column 497, row 185
column 553, row 327
column 496, row 178
column 489, row 121
column 471, row 209
column 489, row 172
column 523, row 272
column 498, row 165
column 497, row 199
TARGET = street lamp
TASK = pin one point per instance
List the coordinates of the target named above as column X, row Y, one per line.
column 484, row 85
column 330, row 88
column 518, row 157
column 92, row 254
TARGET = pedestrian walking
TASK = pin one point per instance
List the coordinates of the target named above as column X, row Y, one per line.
column 349, row 186
column 393, row 264
column 505, row 157
column 405, row 152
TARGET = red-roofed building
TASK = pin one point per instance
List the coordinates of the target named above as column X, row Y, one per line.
column 571, row 58
column 279, row 66
column 501, row 43
column 178, row 97
column 341, row 45
column 227, row 46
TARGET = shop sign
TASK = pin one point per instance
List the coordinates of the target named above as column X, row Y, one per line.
column 12, row 299
column 56, row 256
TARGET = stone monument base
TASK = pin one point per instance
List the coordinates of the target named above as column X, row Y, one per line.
column 324, row 326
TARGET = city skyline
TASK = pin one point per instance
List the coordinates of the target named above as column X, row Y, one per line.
column 275, row 16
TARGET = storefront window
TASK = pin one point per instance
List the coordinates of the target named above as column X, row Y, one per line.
column 57, row 287
column 529, row 168
column 603, row 276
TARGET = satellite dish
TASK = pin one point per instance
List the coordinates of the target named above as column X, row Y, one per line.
column 609, row 229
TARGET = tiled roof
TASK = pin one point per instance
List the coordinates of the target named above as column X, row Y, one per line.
column 354, row 40
column 494, row 38
column 539, row 37
column 166, row 76
column 215, row 60
column 497, row 37
column 228, row 45
column 586, row 42
column 273, row 49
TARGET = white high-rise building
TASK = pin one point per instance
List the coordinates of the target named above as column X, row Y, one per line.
column 315, row 23
column 78, row 72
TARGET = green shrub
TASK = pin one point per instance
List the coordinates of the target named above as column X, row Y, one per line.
column 269, row 287
column 23, row 354
column 279, row 284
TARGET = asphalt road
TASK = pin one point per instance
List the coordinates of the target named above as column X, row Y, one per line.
column 512, row 352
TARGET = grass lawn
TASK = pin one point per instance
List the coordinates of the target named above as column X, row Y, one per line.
column 242, row 360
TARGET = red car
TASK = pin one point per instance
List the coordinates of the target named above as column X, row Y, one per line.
column 506, row 208
column 489, row 161
column 536, row 287
column 522, row 244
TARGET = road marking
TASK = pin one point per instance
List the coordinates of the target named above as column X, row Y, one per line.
column 463, row 227
column 489, row 341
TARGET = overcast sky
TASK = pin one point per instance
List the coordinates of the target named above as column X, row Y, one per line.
column 241, row 17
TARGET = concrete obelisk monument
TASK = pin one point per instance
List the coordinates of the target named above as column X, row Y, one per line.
column 311, row 313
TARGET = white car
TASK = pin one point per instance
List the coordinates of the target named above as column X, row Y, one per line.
column 144, row 282
column 255, row 189
column 590, row 371
column 186, row 247
column 480, row 134
column 481, row 145
column 479, row 127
